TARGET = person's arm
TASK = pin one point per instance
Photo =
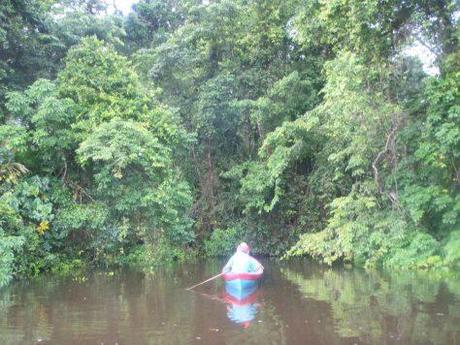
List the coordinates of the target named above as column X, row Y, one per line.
column 228, row 266
column 256, row 266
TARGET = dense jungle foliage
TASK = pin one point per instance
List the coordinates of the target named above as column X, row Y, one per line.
column 301, row 126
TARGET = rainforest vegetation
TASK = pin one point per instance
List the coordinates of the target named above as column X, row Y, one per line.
column 305, row 127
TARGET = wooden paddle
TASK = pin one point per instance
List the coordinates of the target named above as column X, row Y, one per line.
column 208, row 280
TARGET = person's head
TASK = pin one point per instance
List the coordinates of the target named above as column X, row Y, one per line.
column 243, row 247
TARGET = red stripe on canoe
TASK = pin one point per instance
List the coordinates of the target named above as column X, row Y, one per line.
column 242, row 276
column 240, row 302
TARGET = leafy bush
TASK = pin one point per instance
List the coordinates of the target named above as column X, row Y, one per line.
column 149, row 256
column 223, row 242
column 8, row 245
column 419, row 251
column 452, row 249
column 69, row 267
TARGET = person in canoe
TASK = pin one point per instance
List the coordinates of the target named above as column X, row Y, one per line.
column 242, row 262
column 241, row 272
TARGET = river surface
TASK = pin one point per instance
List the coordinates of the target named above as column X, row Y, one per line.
column 297, row 303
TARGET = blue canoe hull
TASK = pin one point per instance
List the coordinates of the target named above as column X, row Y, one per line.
column 240, row 293
column 241, row 284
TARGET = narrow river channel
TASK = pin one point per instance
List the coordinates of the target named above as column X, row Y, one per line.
column 297, row 303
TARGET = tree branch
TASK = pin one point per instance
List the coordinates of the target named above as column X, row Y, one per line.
column 380, row 155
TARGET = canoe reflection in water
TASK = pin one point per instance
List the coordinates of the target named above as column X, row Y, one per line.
column 242, row 304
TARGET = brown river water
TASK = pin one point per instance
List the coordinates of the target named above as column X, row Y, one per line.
column 296, row 303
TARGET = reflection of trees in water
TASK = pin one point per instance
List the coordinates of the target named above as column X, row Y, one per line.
column 133, row 309
column 130, row 309
column 7, row 335
column 158, row 313
column 25, row 318
column 405, row 307
column 5, row 302
column 127, row 310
